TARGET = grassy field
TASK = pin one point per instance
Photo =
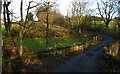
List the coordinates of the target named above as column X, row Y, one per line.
column 38, row 44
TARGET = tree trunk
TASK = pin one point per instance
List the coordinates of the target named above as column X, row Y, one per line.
column 8, row 18
column 20, row 34
column 80, row 25
column 47, row 29
column 80, row 30
column 69, row 19
column 4, row 11
column 27, row 12
column 107, row 24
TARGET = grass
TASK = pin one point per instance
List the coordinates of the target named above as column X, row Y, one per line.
column 3, row 29
column 38, row 44
column 41, row 62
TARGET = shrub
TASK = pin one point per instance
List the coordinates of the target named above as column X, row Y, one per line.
column 11, row 50
column 31, row 30
column 59, row 20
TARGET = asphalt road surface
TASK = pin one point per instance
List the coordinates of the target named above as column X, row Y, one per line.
column 87, row 61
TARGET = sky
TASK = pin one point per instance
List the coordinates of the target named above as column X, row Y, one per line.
column 63, row 6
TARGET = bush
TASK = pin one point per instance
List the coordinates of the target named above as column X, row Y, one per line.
column 15, row 31
column 35, row 30
column 38, row 30
column 10, row 48
column 59, row 21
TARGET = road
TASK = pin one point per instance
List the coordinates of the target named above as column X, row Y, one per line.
column 87, row 61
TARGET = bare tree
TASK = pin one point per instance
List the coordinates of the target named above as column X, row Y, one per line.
column 21, row 27
column 4, row 14
column 45, row 7
column 47, row 22
column 49, row 5
column 107, row 10
column 22, row 24
column 78, row 10
column 30, row 7
column 6, row 11
column 8, row 16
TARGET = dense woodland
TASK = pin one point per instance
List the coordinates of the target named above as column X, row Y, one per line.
column 45, row 43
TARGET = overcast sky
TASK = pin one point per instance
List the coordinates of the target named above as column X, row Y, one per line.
column 63, row 6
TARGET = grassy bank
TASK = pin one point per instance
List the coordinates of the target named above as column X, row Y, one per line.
column 38, row 44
